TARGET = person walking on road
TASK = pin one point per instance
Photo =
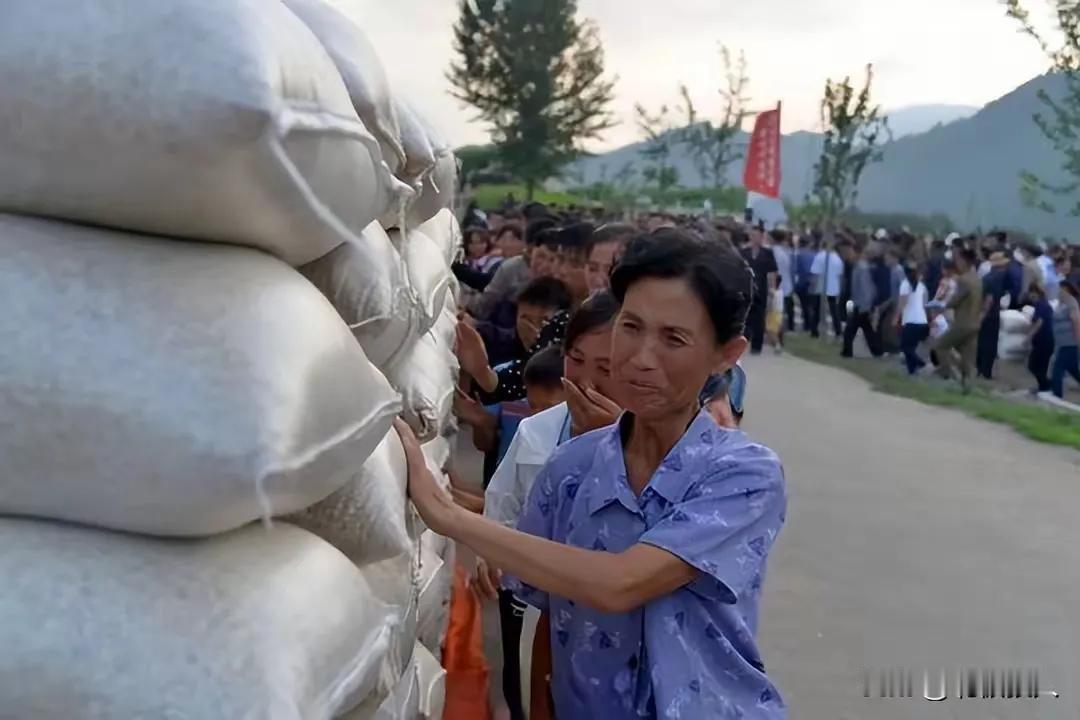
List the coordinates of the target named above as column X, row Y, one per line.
column 864, row 296
column 762, row 261
column 912, row 319
column 1042, row 339
column 1066, row 337
column 966, row 303
column 828, row 272
column 995, row 287
column 804, row 260
column 784, row 254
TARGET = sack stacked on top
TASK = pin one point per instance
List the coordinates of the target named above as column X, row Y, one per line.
column 168, row 374
column 1013, row 342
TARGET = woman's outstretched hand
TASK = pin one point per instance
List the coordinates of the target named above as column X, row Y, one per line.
column 473, row 357
column 435, row 505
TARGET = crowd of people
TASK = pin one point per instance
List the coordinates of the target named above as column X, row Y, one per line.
column 600, row 379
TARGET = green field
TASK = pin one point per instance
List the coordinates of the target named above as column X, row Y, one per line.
column 490, row 197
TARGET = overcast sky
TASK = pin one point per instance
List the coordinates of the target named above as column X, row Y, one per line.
column 924, row 51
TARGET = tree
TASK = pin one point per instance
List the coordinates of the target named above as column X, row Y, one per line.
column 534, row 73
column 660, row 139
column 479, row 163
column 1061, row 123
column 853, row 130
column 714, row 145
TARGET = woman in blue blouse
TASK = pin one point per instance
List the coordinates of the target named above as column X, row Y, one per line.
column 646, row 541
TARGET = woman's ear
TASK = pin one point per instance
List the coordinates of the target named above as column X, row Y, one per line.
column 729, row 353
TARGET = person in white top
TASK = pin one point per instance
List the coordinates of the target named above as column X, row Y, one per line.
column 828, row 272
column 914, row 325
column 783, row 252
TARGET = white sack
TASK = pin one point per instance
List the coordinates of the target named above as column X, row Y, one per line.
column 437, row 455
column 395, row 582
column 1014, row 321
column 419, row 154
column 433, row 612
column 426, row 379
column 435, row 545
column 257, row 624
column 367, row 284
column 172, row 388
column 360, row 68
column 419, row 695
column 1013, row 346
column 218, row 120
column 445, row 231
column 428, row 272
column 371, row 518
column 431, row 685
column 437, row 190
column 439, row 186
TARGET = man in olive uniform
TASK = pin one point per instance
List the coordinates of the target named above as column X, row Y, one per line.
column 967, row 306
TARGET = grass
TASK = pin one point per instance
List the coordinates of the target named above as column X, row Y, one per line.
column 1045, row 425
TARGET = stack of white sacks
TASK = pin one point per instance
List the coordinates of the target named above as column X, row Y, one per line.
column 207, row 333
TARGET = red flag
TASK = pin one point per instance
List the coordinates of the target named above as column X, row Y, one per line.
column 762, row 174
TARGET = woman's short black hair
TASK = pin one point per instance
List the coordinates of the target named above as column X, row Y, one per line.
column 544, row 369
column 596, row 312
column 719, row 276
column 545, row 292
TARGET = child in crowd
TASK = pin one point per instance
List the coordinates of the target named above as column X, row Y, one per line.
column 479, row 345
column 543, row 389
column 939, row 325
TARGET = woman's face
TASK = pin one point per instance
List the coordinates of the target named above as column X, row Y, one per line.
column 510, row 245
column 588, row 362
column 664, row 348
column 598, row 268
column 477, row 245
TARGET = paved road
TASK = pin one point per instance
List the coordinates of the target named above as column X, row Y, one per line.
column 916, row 537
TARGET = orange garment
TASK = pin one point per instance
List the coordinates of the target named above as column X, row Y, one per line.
column 463, row 656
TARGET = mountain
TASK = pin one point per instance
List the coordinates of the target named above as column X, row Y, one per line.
column 968, row 169
column 921, row 118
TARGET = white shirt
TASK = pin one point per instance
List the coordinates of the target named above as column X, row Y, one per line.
column 1046, row 264
column 915, row 309
column 834, row 264
column 783, row 266
column 534, row 442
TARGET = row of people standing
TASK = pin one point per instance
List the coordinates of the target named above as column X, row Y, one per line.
column 674, row 315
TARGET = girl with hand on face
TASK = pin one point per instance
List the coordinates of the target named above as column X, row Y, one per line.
column 647, row 540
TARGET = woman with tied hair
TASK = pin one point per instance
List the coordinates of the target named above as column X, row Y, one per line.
column 647, row 540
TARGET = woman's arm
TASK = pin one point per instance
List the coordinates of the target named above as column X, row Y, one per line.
column 608, row 582
column 1075, row 315
column 476, row 279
